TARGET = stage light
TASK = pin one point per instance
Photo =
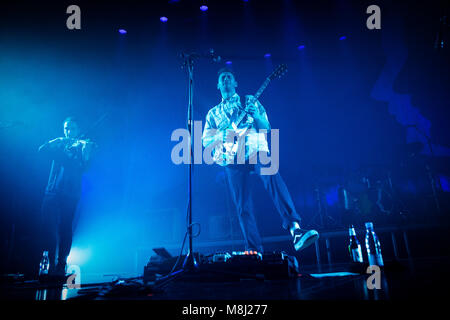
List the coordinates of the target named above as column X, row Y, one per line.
column 163, row 19
column 267, row 55
column 342, row 38
column 122, row 31
column 301, row 47
column 228, row 63
column 204, row 8
column 78, row 256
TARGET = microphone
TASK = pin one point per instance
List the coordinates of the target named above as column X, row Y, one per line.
column 210, row 55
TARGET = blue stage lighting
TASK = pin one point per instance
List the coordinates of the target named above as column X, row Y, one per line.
column 163, row 19
column 228, row 62
column 79, row 256
column 342, row 38
column 301, row 47
column 267, row 55
column 122, row 31
column 204, row 8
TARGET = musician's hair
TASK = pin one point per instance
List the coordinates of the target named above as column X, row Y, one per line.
column 71, row 119
column 225, row 69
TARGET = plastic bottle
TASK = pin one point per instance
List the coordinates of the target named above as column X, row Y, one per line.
column 44, row 265
column 373, row 246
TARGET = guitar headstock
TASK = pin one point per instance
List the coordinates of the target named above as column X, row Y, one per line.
column 278, row 72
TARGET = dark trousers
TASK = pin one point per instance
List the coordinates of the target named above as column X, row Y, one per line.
column 56, row 227
column 241, row 192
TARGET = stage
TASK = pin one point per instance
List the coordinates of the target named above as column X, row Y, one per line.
column 419, row 276
column 234, row 152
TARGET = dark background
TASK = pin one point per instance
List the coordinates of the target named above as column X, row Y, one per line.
column 343, row 111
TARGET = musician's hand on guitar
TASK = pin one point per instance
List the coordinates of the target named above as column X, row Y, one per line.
column 259, row 121
column 250, row 104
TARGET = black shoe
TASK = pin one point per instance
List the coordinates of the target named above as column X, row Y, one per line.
column 304, row 238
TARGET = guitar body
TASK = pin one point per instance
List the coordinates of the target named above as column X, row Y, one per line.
column 225, row 153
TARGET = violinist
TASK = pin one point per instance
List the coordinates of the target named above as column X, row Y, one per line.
column 70, row 157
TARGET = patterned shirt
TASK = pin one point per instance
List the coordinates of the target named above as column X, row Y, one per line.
column 221, row 117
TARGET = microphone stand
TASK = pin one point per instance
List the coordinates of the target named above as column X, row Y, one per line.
column 189, row 262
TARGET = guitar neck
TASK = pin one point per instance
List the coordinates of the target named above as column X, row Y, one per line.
column 262, row 88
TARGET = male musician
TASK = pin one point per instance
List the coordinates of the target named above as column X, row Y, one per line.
column 219, row 121
column 70, row 156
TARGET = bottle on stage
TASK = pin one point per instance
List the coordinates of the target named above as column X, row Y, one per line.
column 373, row 246
column 354, row 247
column 45, row 264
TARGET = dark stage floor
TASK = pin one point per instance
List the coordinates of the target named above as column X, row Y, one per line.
column 406, row 279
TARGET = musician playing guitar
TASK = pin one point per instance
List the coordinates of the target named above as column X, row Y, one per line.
column 222, row 124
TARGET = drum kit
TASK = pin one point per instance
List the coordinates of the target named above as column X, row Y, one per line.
column 382, row 193
column 355, row 198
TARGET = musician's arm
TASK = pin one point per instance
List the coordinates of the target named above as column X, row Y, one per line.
column 53, row 148
column 50, row 145
column 260, row 118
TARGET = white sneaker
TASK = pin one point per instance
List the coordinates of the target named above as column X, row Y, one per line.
column 304, row 238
